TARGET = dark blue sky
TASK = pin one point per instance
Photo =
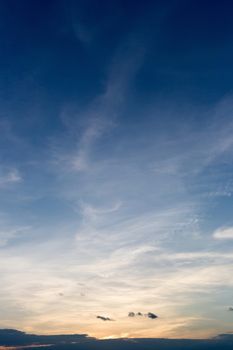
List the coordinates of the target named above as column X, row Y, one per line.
column 188, row 48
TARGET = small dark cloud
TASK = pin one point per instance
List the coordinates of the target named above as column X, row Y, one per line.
column 149, row 315
column 104, row 318
column 230, row 308
column 61, row 294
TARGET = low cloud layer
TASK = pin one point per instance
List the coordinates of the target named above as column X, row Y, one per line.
column 21, row 340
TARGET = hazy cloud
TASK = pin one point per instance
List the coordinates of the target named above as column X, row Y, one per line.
column 7, row 234
column 223, row 233
column 10, row 177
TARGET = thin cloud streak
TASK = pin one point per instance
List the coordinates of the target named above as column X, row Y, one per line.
column 101, row 114
column 10, row 177
column 223, row 233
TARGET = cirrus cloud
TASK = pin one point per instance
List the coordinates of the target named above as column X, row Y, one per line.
column 223, row 233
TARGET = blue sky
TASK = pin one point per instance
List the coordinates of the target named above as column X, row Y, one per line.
column 116, row 157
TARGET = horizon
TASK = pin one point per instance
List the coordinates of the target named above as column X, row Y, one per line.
column 13, row 339
column 116, row 168
column 22, row 332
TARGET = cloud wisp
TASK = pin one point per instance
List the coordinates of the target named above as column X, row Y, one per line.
column 9, row 178
column 224, row 233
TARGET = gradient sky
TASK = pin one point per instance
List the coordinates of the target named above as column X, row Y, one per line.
column 116, row 162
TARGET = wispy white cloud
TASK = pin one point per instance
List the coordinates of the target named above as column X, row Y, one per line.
column 189, row 150
column 223, row 233
column 99, row 117
column 7, row 234
column 92, row 213
column 80, row 161
column 10, row 177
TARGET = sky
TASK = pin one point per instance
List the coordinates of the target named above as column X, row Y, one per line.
column 116, row 162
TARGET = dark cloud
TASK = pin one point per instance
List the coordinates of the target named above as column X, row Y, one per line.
column 230, row 308
column 10, row 337
column 104, row 318
column 151, row 315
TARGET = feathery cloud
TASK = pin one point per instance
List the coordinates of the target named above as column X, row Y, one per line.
column 223, row 233
column 10, row 177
